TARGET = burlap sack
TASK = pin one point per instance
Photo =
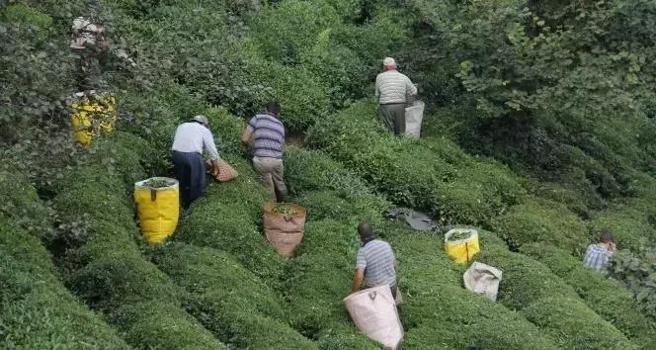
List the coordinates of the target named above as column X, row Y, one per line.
column 284, row 232
column 225, row 172
column 373, row 311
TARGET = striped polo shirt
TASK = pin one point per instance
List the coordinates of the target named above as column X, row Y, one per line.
column 269, row 134
column 393, row 87
column 376, row 258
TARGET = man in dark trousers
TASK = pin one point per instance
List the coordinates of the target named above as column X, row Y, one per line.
column 375, row 264
column 191, row 138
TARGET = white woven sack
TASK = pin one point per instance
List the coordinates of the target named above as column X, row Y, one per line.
column 373, row 311
column 483, row 279
column 414, row 115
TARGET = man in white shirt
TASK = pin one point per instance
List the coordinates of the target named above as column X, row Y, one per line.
column 191, row 138
column 392, row 92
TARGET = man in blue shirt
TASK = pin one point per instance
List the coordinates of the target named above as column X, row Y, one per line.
column 598, row 255
column 265, row 133
column 375, row 263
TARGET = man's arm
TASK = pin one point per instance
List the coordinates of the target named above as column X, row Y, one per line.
column 357, row 280
column 246, row 135
column 410, row 87
column 377, row 93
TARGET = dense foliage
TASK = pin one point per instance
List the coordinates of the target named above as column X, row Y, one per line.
column 539, row 128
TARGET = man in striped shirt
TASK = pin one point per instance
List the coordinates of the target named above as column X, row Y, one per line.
column 598, row 255
column 375, row 264
column 266, row 135
column 392, row 92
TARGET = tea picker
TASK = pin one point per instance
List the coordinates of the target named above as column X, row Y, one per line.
column 191, row 139
column 373, row 309
column 265, row 135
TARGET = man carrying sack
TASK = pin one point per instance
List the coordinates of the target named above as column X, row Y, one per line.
column 392, row 92
column 267, row 134
column 191, row 138
column 375, row 264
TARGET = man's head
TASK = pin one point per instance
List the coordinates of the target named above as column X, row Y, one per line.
column 389, row 63
column 274, row 108
column 606, row 237
column 366, row 232
column 202, row 119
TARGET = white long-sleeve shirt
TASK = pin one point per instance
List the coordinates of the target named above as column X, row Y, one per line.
column 194, row 137
column 393, row 87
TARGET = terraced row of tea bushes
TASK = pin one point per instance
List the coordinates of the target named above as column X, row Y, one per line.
column 229, row 300
column 605, row 296
column 36, row 309
column 437, row 176
column 454, row 187
column 630, row 224
column 226, row 219
column 241, row 58
column 107, row 268
column 546, row 300
column 437, row 310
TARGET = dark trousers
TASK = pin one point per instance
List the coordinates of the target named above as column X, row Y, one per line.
column 190, row 171
column 393, row 116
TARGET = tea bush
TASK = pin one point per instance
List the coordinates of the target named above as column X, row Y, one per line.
column 410, row 173
column 629, row 224
column 164, row 325
column 437, row 307
column 309, row 170
column 37, row 310
column 22, row 205
column 605, row 296
column 235, row 230
column 330, row 204
column 107, row 267
column 538, row 220
column 229, row 300
column 319, row 278
column 529, row 287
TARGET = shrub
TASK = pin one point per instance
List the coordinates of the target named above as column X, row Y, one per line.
column 231, row 301
column 438, row 308
column 303, row 96
column 636, row 272
column 236, row 229
column 309, row 170
column 22, row 205
column 330, row 204
column 37, row 310
column 163, row 325
column 345, row 338
column 107, row 268
column 605, row 296
column 206, row 270
column 531, row 288
column 629, row 224
column 410, row 173
column 542, row 221
column 574, row 326
column 319, row 278
column 284, row 31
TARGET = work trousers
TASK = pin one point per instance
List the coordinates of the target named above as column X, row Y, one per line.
column 271, row 174
column 190, row 172
column 393, row 116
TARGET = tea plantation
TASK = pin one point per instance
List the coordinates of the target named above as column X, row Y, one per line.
column 538, row 132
